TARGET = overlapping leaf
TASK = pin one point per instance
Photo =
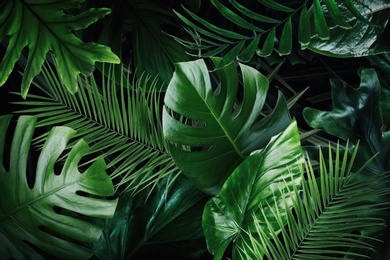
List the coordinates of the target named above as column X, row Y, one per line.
column 337, row 215
column 42, row 27
column 28, row 216
column 249, row 29
column 356, row 115
column 260, row 181
column 121, row 122
column 169, row 215
column 211, row 133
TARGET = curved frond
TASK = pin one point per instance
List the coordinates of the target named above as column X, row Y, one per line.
column 121, row 122
column 265, row 26
column 337, row 214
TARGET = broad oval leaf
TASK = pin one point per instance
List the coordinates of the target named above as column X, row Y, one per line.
column 43, row 27
column 254, row 184
column 28, row 216
column 222, row 131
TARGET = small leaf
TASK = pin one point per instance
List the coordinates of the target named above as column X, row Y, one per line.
column 250, row 50
column 230, row 56
column 234, row 18
column 320, row 22
column 285, row 45
column 253, row 15
column 352, row 8
column 276, row 6
column 336, row 15
column 268, row 45
column 304, row 29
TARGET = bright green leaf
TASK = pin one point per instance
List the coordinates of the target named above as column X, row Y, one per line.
column 255, row 183
column 223, row 133
column 44, row 27
column 28, row 214
column 268, row 45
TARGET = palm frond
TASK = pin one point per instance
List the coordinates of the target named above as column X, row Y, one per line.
column 335, row 215
column 260, row 27
column 123, row 123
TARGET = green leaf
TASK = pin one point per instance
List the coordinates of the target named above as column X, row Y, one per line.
column 335, row 14
column 222, row 131
column 362, row 39
column 171, row 213
column 123, row 122
column 275, row 5
column 260, row 180
column 320, row 22
column 44, row 27
column 337, row 215
column 252, row 15
column 285, row 45
column 304, row 32
column 268, row 45
column 27, row 214
column 356, row 115
column 233, row 17
column 250, row 50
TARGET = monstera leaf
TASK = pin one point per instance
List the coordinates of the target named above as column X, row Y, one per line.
column 43, row 26
column 55, row 212
column 210, row 133
column 356, row 116
column 259, row 181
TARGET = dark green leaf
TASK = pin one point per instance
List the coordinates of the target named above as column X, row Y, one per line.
column 352, row 8
column 304, row 28
column 253, row 185
column 253, row 15
column 230, row 56
column 320, row 22
column 250, row 50
column 275, row 5
column 268, row 45
column 234, row 18
column 27, row 215
column 221, row 129
column 356, row 116
column 285, row 45
column 171, row 213
column 335, row 14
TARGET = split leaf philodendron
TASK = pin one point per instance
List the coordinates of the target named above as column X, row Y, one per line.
column 50, row 215
column 225, row 131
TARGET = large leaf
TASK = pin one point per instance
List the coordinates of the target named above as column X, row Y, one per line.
column 123, row 122
column 46, row 215
column 363, row 39
column 258, row 182
column 337, row 215
column 356, row 115
column 42, row 27
column 171, row 213
column 222, row 133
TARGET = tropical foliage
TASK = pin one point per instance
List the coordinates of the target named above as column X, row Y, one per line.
column 217, row 136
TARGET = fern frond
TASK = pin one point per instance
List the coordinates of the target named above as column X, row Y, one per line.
column 335, row 215
column 123, row 123
column 264, row 26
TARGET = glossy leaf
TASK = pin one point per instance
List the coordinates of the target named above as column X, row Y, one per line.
column 28, row 215
column 304, row 32
column 320, row 22
column 171, row 213
column 258, row 181
column 356, row 115
column 335, row 14
column 44, row 27
column 362, row 39
column 223, row 133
